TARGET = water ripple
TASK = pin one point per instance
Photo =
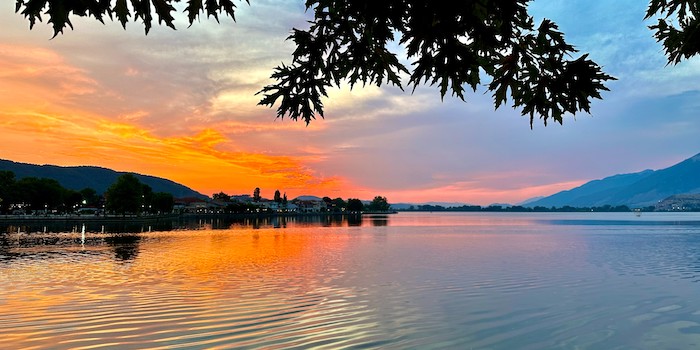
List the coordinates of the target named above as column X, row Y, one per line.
column 503, row 286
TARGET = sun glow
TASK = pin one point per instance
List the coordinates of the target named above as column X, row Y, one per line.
column 207, row 133
column 63, row 132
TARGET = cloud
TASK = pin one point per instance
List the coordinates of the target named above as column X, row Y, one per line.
column 195, row 160
column 181, row 104
column 45, row 123
column 26, row 66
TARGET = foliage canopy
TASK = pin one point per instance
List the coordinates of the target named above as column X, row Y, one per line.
column 379, row 203
column 355, row 205
column 453, row 45
column 125, row 195
column 31, row 194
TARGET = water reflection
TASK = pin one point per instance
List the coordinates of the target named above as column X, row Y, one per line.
column 125, row 246
column 444, row 281
column 39, row 226
column 379, row 220
column 139, row 225
column 279, row 222
column 354, row 220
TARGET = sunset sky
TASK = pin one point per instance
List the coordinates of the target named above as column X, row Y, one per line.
column 181, row 105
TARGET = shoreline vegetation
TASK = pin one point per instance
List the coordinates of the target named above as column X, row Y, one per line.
column 129, row 197
column 187, row 216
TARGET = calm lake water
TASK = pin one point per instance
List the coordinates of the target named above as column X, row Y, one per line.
column 412, row 280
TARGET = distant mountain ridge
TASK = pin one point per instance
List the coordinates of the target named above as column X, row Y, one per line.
column 645, row 188
column 79, row 177
column 529, row 200
column 405, row 206
column 309, row 198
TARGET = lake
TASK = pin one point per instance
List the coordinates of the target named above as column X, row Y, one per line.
column 411, row 280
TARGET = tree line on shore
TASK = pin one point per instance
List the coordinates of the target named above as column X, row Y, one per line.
column 32, row 195
column 127, row 195
column 337, row 205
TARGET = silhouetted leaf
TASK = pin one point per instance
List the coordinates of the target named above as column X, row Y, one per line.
column 451, row 44
column 212, row 6
column 192, row 9
column 121, row 10
column 164, row 11
column 678, row 29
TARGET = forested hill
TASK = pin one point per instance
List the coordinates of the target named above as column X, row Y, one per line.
column 641, row 189
column 99, row 179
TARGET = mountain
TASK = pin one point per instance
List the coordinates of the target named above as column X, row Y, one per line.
column 308, row 198
column 593, row 193
column 680, row 202
column 446, row 204
column 640, row 189
column 79, row 177
column 529, row 200
column 402, row 206
column 405, row 206
column 502, row 205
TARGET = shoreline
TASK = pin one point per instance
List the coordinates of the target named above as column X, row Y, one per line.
column 13, row 224
column 149, row 218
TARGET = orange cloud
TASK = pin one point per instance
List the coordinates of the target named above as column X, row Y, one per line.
column 41, row 69
column 55, row 113
column 237, row 127
column 41, row 124
column 193, row 159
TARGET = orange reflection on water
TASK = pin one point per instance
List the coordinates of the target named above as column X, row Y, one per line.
column 162, row 285
column 278, row 288
column 210, row 253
